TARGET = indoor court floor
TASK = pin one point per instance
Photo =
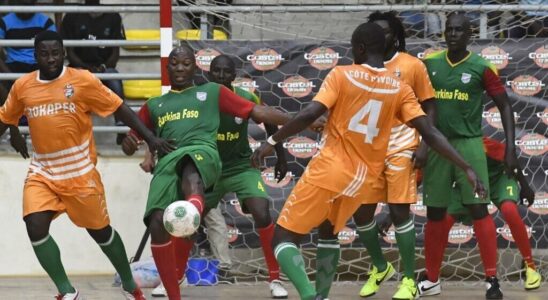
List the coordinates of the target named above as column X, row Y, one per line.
column 100, row 287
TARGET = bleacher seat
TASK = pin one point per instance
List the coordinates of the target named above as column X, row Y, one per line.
column 142, row 89
column 142, row 34
column 194, row 34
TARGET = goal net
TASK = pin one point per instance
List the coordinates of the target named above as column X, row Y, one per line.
column 283, row 56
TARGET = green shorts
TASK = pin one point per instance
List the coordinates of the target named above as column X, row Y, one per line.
column 165, row 186
column 441, row 176
column 246, row 184
column 501, row 187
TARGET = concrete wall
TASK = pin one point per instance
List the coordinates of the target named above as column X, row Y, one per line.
column 126, row 189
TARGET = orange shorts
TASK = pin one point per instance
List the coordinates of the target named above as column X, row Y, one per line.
column 86, row 209
column 397, row 183
column 308, row 206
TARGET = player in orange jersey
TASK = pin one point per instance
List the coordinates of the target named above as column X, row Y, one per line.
column 363, row 100
column 58, row 102
column 396, row 185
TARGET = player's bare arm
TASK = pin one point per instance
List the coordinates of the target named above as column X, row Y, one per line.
column 155, row 144
column 435, row 139
column 301, row 121
column 421, row 154
column 280, row 169
column 507, row 118
column 16, row 140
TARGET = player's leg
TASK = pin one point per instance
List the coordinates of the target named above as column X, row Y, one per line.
column 328, row 253
column 40, row 205
column 437, row 188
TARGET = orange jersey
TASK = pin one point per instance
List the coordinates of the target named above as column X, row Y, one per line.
column 363, row 104
column 59, row 116
column 412, row 71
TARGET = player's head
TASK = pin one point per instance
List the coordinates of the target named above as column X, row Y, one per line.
column 457, row 31
column 367, row 40
column 23, row 16
column 222, row 70
column 49, row 54
column 181, row 67
column 394, row 32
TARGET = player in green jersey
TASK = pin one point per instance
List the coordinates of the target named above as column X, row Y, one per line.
column 460, row 78
column 238, row 176
column 189, row 116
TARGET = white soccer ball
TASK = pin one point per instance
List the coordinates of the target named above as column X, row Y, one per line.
column 181, row 219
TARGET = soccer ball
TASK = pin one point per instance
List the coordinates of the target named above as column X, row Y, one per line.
column 181, row 219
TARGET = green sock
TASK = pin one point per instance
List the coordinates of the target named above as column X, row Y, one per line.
column 327, row 259
column 405, row 237
column 369, row 236
column 49, row 256
column 290, row 260
column 116, row 253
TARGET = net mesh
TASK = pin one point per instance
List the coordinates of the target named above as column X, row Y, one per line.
column 521, row 60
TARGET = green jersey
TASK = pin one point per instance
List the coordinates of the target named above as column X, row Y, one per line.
column 459, row 90
column 232, row 141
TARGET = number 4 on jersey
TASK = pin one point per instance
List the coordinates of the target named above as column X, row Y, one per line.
column 370, row 130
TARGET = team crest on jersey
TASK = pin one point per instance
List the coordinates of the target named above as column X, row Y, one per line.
column 465, row 78
column 69, row 90
column 238, row 120
column 397, row 73
column 202, row 96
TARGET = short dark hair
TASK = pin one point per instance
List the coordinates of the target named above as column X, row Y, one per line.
column 47, row 35
column 183, row 47
column 224, row 56
column 460, row 14
column 395, row 24
column 370, row 35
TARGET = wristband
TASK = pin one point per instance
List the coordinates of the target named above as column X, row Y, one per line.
column 271, row 141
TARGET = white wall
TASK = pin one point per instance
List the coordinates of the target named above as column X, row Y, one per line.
column 126, row 189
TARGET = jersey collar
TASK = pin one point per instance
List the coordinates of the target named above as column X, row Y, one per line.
column 459, row 62
column 373, row 68
column 48, row 81
column 181, row 91
column 393, row 58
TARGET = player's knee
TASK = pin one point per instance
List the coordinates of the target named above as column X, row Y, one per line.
column 478, row 211
column 259, row 209
column 325, row 231
column 399, row 213
column 37, row 227
column 435, row 213
column 158, row 233
column 102, row 235
column 365, row 214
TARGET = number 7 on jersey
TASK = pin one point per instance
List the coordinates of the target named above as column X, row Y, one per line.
column 370, row 130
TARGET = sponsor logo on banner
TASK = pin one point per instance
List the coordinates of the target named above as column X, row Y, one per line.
column 301, row 147
column 540, row 56
column 496, row 56
column 505, row 232
column 233, row 233
column 419, row 208
column 543, row 115
column 526, row 85
column 253, row 144
column 540, row 206
column 270, row 180
column 460, row 234
column 492, row 116
column 347, row 236
column 390, row 236
column 244, row 83
column 265, row 59
column 204, row 58
column 296, row 86
column 237, row 207
column 533, row 144
column 322, row 58
column 422, row 55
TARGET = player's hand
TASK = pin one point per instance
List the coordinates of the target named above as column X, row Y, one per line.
column 280, row 169
column 130, row 144
column 526, row 193
column 318, row 125
column 384, row 224
column 420, row 156
column 511, row 163
column 257, row 158
column 148, row 163
column 18, row 142
column 479, row 188
column 160, row 146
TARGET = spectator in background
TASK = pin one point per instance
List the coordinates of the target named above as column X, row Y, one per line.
column 421, row 24
column 219, row 21
column 530, row 23
column 21, row 26
column 95, row 26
